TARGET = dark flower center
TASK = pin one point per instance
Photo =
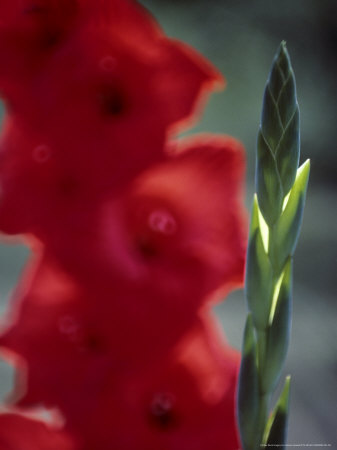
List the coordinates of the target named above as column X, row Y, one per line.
column 51, row 22
column 162, row 413
column 111, row 101
column 94, row 343
column 146, row 247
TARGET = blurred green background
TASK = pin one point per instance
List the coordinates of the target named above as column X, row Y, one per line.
column 240, row 37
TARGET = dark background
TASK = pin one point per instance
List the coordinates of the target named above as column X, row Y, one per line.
column 240, row 38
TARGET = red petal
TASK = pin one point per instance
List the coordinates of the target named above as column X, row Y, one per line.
column 21, row 433
column 63, row 328
column 200, row 187
column 57, row 341
column 187, row 402
column 29, row 32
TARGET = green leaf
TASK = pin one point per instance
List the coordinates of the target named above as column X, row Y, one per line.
column 259, row 281
column 268, row 183
column 286, row 100
column 287, row 229
column 288, row 152
column 257, row 222
column 278, row 425
column 254, row 217
column 248, row 395
column 271, row 126
column 278, row 333
column 288, row 149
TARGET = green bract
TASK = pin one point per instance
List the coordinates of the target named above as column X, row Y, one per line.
column 277, row 424
column 275, row 225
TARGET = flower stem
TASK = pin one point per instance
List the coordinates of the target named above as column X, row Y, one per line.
column 275, row 225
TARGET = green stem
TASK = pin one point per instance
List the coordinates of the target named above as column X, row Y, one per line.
column 269, row 270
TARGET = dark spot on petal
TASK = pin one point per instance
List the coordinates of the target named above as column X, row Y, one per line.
column 50, row 39
column 94, row 343
column 52, row 22
column 146, row 248
column 111, row 101
column 162, row 414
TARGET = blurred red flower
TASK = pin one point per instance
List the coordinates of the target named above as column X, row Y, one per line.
column 184, row 401
column 136, row 235
column 94, row 113
column 155, row 257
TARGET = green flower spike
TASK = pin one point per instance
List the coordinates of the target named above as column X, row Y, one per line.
column 275, row 225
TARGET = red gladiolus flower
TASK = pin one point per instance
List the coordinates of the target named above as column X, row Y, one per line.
column 63, row 329
column 190, row 209
column 83, row 123
column 155, row 256
column 135, row 234
column 21, row 433
column 179, row 218
column 186, row 402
